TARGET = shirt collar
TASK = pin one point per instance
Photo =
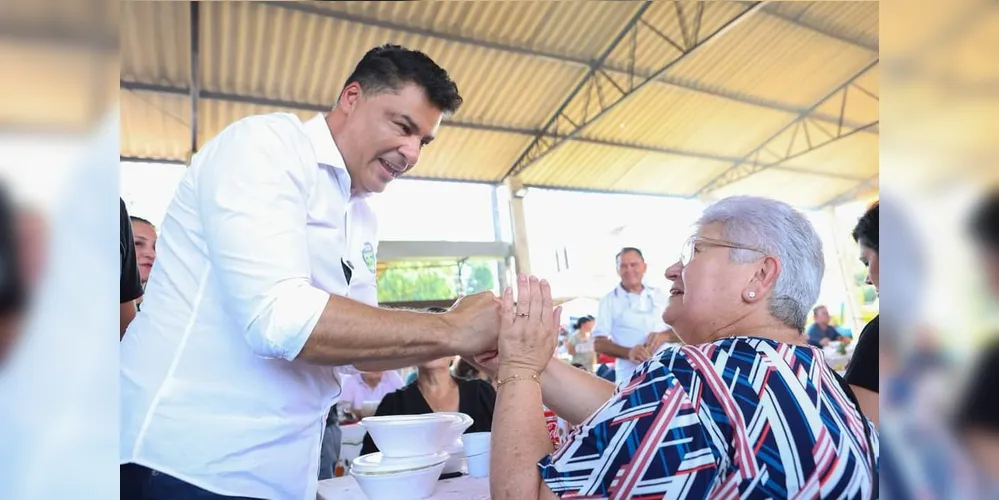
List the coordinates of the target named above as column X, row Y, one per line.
column 327, row 152
column 646, row 289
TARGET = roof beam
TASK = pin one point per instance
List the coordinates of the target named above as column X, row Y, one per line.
column 750, row 163
column 541, row 146
column 309, row 8
column 291, row 105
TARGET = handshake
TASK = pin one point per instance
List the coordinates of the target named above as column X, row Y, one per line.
column 493, row 333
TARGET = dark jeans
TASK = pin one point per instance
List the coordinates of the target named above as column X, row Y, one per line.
column 143, row 483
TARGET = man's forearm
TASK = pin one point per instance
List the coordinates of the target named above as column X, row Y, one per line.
column 349, row 332
column 572, row 393
column 604, row 345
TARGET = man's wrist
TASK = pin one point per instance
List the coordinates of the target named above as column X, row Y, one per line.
column 447, row 333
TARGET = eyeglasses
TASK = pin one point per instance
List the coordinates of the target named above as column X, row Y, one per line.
column 687, row 254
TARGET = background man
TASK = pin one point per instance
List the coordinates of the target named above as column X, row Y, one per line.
column 629, row 323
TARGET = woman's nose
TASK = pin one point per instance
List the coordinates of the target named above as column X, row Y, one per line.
column 673, row 272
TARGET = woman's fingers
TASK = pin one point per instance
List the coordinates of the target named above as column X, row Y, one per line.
column 523, row 295
column 546, row 305
column 535, row 302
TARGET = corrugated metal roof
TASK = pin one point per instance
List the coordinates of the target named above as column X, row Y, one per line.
column 274, row 59
column 652, row 51
column 854, row 20
column 575, row 29
column 804, row 190
column 471, row 155
column 581, row 165
column 671, row 117
column 516, row 63
column 770, row 58
column 856, row 156
column 155, row 125
column 156, row 42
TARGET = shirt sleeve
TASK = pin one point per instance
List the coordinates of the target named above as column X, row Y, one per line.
column 863, row 368
column 253, row 189
column 661, row 446
column 605, row 318
column 131, row 285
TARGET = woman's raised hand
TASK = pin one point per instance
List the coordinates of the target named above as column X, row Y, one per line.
column 529, row 329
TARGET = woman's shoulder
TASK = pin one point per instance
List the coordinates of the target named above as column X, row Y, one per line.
column 733, row 359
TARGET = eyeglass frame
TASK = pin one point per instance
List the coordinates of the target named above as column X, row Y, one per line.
column 690, row 243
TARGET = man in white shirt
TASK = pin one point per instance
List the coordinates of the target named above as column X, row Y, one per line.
column 368, row 386
column 629, row 322
column 264, row 291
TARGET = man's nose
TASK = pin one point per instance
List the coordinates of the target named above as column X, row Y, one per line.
column 410, row 151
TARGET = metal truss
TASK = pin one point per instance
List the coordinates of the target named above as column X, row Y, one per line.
column 600, row 88
column 870, row 183
column 321, row 108
column 814, row 132
column 313, row 9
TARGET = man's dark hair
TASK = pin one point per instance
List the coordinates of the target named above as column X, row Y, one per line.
column 818, row 308
column 866, row 231
column 140, row 219
column 389, row 67
column 629, row 249
column 984, row 222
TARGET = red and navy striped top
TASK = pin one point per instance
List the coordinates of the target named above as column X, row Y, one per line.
column 737, row 418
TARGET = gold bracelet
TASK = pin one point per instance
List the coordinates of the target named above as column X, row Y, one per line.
column 513, row 378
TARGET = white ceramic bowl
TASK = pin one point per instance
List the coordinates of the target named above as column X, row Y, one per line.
column 399, row 436
column 385, row 478
column 460, row 423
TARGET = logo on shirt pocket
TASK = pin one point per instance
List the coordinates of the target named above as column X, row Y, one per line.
column 368, row 254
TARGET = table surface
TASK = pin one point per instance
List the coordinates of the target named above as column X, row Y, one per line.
column 459, row 488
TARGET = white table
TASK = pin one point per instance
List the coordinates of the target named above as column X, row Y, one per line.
column 459, row 488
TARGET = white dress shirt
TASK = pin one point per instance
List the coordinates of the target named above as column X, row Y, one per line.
column 628, row 319
column 248, row 255
column 356, row 391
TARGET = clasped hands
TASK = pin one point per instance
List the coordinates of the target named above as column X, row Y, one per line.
column 510, row 339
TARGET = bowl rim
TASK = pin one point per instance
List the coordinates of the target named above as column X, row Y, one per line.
column 443, row 456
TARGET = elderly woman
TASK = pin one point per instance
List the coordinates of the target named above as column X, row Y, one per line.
column 744, row 409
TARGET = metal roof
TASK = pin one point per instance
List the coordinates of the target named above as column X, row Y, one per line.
column 671, row 98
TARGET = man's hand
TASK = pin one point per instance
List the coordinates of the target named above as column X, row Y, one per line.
column 638, row 354
column 474, row 324
column 657, row 339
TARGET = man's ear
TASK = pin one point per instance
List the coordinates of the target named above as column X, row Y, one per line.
column 349, row 97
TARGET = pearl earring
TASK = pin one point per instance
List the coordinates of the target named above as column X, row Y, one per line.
column 752, row 295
